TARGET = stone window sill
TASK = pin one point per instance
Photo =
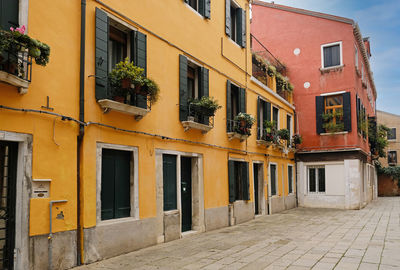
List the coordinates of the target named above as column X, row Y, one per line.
column 15, row 81
column 194, row 125
column 329, row 69
column 234, row 135
column 108, row 105
column 334, row 133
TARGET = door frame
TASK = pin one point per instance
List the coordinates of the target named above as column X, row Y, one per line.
column 23, row 191
column 261, row 184
column 198, row 224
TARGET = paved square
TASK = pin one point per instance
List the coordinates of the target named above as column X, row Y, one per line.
column 297, row 239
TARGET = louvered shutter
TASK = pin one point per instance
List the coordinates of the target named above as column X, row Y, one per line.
column 202, row 7
column 9, row 14
column 122, row 184
column 244, row 29
column 101, row 68
column 267, row 111
column 347, row 111
column 204, row 90
column 141, row 51
column 239, row 27
column 183, row 88
column 207, row 12
column 242, row 100
column 228, row 17
column 229, row 123
column 259, row 106
column 319, row 108
column 245, row 181
column 231, row 180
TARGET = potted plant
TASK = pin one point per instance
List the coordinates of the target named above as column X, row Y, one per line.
column 269, row 133
column 271, row 70
column 243, row 123
column 205, row 106
column 296, row 139
column 284, row 134
column 333, row 122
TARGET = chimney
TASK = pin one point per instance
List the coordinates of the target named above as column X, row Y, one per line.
column 367, row 45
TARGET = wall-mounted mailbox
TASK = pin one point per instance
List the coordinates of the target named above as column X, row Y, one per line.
column 41, row 188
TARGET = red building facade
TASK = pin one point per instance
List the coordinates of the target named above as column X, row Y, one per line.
column 327, row 60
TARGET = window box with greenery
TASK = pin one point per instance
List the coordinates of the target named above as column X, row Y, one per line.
column 333, row 113
column 130, row 91
column 295, row 141
column 333, row 122
column 242, row 124
column 283, row 137
column 201, row 114
column 16, row 52
column 269, row 134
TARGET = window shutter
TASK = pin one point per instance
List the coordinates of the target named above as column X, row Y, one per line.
column 207, row 12
column 169, row 182
column 137, row 100
column 242, row 100
column 243, row 43
column 202, row 7
column 228, row 17
column 229, row 125
column 183, row 88
column 231, row 180
column 141, row 51
column 319, row 108
column 259, row 130
column 204, row 90
column 347, row 111
column 239, row 26
column 9, row 14
column 101, row 69
column 107, row 185
column 245, row 178
column 267, row 111
column 357, row 113
column 122, row 183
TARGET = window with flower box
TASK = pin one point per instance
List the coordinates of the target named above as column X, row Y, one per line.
column 333, row 113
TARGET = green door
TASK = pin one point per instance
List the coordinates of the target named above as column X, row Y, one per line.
column 169, row 182
column 256, row 197
column 186, row 193
column 8, row 179
column 115, row 184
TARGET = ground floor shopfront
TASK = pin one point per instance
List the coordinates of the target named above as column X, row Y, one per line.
column 342, row 179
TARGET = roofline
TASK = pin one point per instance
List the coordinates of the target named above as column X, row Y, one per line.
column 387, row 113
column 356, row 31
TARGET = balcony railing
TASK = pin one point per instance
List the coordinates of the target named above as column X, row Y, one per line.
column 198, row 120
column 259, row 49
column 16, row 62
column 238, row 130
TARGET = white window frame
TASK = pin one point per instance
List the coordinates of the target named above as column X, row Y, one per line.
column 293, row 186
column 316, row 179
column 195, row 65
column 270, row 180
column 134, row 181
column 341, row 54
column 291, row 125
column 194, row 10
column 235, row 5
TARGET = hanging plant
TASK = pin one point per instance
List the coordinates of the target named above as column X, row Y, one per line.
column 243, row 123
column 206, row 106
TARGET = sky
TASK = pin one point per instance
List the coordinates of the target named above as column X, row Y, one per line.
column 380, row 21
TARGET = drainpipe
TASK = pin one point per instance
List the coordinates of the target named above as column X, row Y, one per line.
column 79, row 232
column 50, row 238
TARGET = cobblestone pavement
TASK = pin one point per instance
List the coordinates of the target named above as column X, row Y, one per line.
column 294, row 240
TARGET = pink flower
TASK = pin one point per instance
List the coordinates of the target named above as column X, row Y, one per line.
column 12, row 28
column 18, row 29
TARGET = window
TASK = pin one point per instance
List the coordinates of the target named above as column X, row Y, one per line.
column 275, row 117
column 193, row 84
column 115, row 184
column 201, row 6
column 391, row 135
column 235, row 22
column 290, row 178
column 238, row 180
column 263, row 114
column 289, row 127
column 316, row 179
column 116, row 41
column 362, row 120
column 273, row 178
column 9, row 16
column 333, row 113
column 392, row 158
column 332, row 55
column 356, row 56
column 235, row 103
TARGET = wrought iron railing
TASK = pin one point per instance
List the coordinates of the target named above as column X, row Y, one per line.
column 259, row 49
column 17, row 62
column 199, row 117
column 238, row 127
column 131, row 97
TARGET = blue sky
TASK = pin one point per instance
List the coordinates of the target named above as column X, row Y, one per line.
column 380, row 21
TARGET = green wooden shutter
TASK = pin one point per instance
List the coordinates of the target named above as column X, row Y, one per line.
column 122, row 184
column 243, row 32
column 245, row 181
column 259, row 105
column 239, row 26
column 242, row 100
column 107, row 185
column 183, row 88
column 228, row 17
column 231, row 180
column 319, row 109
column 9, row 14
column 347, row 111
column 137, row 99
column 207, row 11
column 358, row 113
column 229, row 124
column 202, row 7
column 169, row 182
column 141, row 51
column 204, row 90
column 101, row 69
column 267, row 111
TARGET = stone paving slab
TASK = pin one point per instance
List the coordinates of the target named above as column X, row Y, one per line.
column 297, row 239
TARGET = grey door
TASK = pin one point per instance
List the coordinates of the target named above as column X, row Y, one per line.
column 186, row 193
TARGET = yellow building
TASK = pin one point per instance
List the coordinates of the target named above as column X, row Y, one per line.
column 96, row 177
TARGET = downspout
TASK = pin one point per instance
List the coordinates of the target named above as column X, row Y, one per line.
column 79, row 233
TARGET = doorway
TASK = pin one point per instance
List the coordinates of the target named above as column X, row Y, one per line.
column 186, row 193
column 8, row 179
column 259, row 201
